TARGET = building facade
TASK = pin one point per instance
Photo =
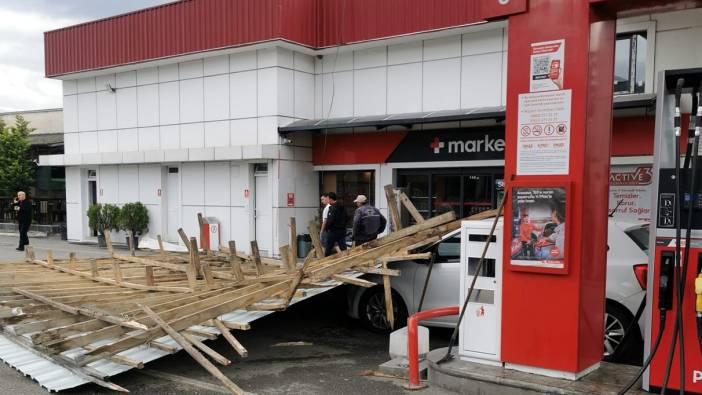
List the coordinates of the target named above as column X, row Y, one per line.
column 249, row 126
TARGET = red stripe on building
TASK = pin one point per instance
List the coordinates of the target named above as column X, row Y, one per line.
column 360, row 148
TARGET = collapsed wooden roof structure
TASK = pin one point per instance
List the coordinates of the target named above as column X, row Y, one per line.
column 78, row 313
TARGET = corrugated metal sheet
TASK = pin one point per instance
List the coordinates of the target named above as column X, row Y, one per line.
column 190, row 26
column 56, row 378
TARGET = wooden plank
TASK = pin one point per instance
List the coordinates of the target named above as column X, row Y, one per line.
column 300, row 275
column 256, row 256
column 418, row 218
column 29, row 253
column 195, row 256
column 422, row 243
column 207, row 273
column 313, row 228
column 235, row 262
column 93, row 269
column 130, row 242
column 193, row 352
column 353, row 281
column 241, row 326
column 292, row 251
column 231, row 339
column 201, row 226
column 151, row 262
column 149, row 275
column 378, row 270
column 117, row 270
column 217, row 357
column 82, row 311
column 392, row 207
column 408, row 257
column 197, row 332
column 163, row 347
column 390, row 314
column 72, row 260
column 184, row 238
column 285, row 256
column 50, row 257
column 160, row 245
column 108, row 240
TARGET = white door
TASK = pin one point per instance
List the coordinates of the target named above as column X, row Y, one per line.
column 172, row 204
column 263, row 209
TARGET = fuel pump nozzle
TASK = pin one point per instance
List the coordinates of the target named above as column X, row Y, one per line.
column 678, row 94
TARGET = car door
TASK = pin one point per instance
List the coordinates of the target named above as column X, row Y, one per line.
column 444, row 282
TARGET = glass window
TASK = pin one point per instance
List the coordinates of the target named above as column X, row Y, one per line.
column 416, row 187
column 477, row 195
column 630, row 63
column 640, row 237
column 447, row 194
column 449, row 250
column 347, row 185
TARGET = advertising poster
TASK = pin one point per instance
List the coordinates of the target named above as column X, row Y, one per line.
column 546, row 71
column 630, row 192
column 543, row 134
column 538, row 227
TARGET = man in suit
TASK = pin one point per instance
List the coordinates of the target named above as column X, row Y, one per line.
column 23, row 208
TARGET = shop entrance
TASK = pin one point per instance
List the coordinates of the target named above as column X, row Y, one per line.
column 465, row 191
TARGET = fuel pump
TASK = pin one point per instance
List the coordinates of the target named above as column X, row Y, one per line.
column 673, row 347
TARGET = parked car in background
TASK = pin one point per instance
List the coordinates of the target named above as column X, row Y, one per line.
column 626, row 282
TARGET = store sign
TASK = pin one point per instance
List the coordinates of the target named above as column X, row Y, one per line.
column 630, row 193
column 450, row 145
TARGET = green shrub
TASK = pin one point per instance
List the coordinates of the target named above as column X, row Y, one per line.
column 134, row 217
column 110, row 216
column 95, row 219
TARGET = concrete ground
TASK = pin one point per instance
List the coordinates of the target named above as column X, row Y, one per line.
column 335, row 351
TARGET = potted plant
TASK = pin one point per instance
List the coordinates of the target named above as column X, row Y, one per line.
column 96, row 223
column 134, row 217
column 110, row 217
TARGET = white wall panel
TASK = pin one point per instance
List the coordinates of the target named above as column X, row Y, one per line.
column 74, row 221
column 270, row 57
column 332, row 63
column 191, row 100
column 441, row 87
column 340, row 87
column 169, row 103
column 267, row 92
column 146, row 76
column 127, row 140
column 405, row 53
column 268, row 130
column 304, row 95
column 108, row 184
column 128, row 183
column 189, row 220
column 126, row 79
column 149, row 139
column 242, row 61
column 170, row 137
column 302, row 62
column 405, row 88
column 481, row 42
column 84, row 85
column 70, row 87
column 87, row 112
column 241, row 233
column 192, row 184
column 192, row 135
column 147, row 105
column 677, row 49
column 442, row 48
column 155, row 220
column 192, row 69
column 243, row 94
column 285, row 92
column 216, row 65
column 106, row 110
column 107, row 141
column 126, row 108
column 70, row 114
column 217, row 134
column 73, row 184
column 318, row 96
column 217, row 188
column 101, row 82
column 239, row 176
column 369, row 92
column 371, row 57
column 149, row 184
column 88, row 142
column 217, row 97
column 71, row 143
column 243, row 131
column 481, row 80
column 168, row 72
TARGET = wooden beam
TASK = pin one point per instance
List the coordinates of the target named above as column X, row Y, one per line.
column 193, row 352
column 408, row 257
column 231, row 339
column 241, row 326
column 93, row 269
column 130, row 242
column 50, row 257
column 72, row 260
column 163, row 347
column 285, row 256
column 256, row 256
column 184, row 238
column 29, row 253
column 201, row 226
column 392, row 207
column 160, row 245
column 197, row 332
column 217, row 357
column 108, row 240
column 313, row 228
column 117, row 271
column 421, row 244
column 418, row 218
column 292, row 251
column 235, row 262
column 390, row 314
column 353, row 281
column 149, row 276
column 195, row 256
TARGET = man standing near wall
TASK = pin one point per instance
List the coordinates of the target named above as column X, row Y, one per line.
column 325, row 212
column 368, row 222
column 23, row 208
column 335, row 227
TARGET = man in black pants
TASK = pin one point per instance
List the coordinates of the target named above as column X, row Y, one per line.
column 23, row 208
column 335, row 228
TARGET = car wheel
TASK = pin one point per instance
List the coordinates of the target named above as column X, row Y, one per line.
column 617, row 320
column 371, row 310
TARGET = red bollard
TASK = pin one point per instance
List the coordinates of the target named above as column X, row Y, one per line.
column 412, row 342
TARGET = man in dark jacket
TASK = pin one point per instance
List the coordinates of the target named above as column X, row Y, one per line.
column 335, row 227
column 368, row 222
column 23, row 208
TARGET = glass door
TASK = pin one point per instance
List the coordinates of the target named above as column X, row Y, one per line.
column 446, row 194
column 477, row 194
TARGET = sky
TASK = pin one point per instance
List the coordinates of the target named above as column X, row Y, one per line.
column 22, row 82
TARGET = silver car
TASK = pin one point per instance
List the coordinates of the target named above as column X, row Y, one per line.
column 626, row 280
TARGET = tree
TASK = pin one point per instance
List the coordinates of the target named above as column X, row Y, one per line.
column 17, row 168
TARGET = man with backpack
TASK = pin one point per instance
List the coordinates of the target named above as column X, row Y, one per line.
column 335, row 226
column 368, row 222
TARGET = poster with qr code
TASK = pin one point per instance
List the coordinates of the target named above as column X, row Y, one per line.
column 547, row 64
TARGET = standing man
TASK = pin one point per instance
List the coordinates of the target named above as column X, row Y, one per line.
column 368, row 222
column 335, row 227
column 325, row 212
column 23, row 208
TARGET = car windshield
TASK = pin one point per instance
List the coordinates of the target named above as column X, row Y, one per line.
column 640, row 236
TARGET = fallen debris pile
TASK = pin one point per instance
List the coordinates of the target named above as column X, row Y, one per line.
column 85, row 314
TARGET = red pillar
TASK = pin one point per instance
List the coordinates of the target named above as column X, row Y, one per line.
column 555, row 321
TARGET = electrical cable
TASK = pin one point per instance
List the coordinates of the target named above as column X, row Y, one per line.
column 632, row 324
column 476, row 273
column 426, row 281
column 678, row 238
column 647, row 362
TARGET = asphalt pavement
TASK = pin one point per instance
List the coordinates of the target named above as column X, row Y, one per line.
column 311, row 348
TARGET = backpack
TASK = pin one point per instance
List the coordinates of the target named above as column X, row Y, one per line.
column 372, row 222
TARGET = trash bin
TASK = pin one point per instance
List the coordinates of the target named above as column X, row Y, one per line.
column 304, row 245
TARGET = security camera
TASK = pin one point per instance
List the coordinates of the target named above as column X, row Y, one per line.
column 285, row 141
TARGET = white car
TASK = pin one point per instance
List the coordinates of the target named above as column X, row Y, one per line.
column 626, row 281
